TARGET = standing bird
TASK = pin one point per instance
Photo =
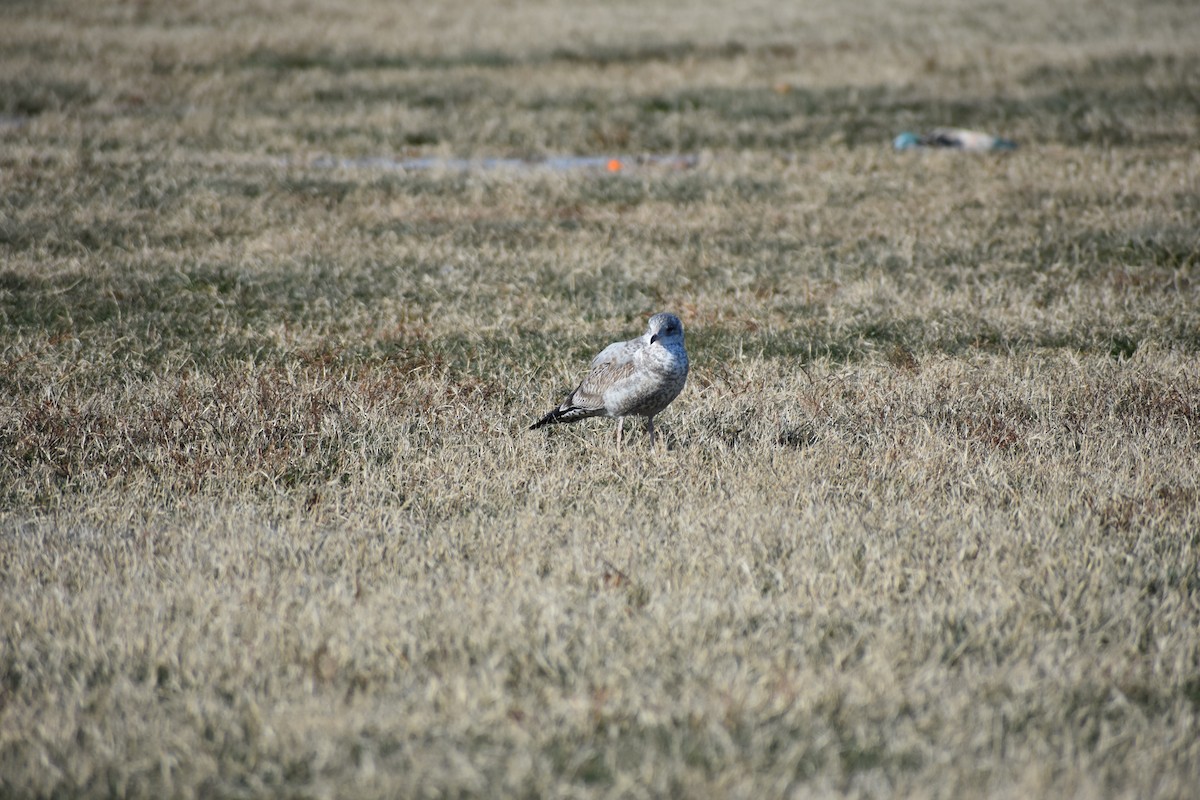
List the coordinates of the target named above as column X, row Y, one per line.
column 639, row 377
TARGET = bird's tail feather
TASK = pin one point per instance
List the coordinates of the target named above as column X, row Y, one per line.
column 568, row 414
column 549, row 419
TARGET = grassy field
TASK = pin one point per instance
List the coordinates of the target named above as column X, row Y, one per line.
column 925, row 521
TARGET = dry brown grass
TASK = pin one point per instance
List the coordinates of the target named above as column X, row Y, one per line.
column 926, row 520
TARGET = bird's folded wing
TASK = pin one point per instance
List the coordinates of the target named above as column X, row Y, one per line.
column 615, row 364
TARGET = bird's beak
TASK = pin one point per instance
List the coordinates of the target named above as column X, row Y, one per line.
column 653, row 338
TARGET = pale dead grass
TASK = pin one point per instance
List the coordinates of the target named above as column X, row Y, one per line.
column 925, row 521
column 833, row 580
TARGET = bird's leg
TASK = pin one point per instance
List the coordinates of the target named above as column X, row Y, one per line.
column 650, row 429
column 620, row 430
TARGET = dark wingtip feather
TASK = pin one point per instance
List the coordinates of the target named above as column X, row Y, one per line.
column 549, row 419
column 565, row 413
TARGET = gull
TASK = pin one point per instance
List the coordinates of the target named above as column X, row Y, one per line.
column 638, row 378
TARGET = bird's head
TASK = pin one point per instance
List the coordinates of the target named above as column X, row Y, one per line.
column 665, row 327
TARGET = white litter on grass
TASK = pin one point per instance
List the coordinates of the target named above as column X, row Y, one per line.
column 953, row 139
column 548, row 164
